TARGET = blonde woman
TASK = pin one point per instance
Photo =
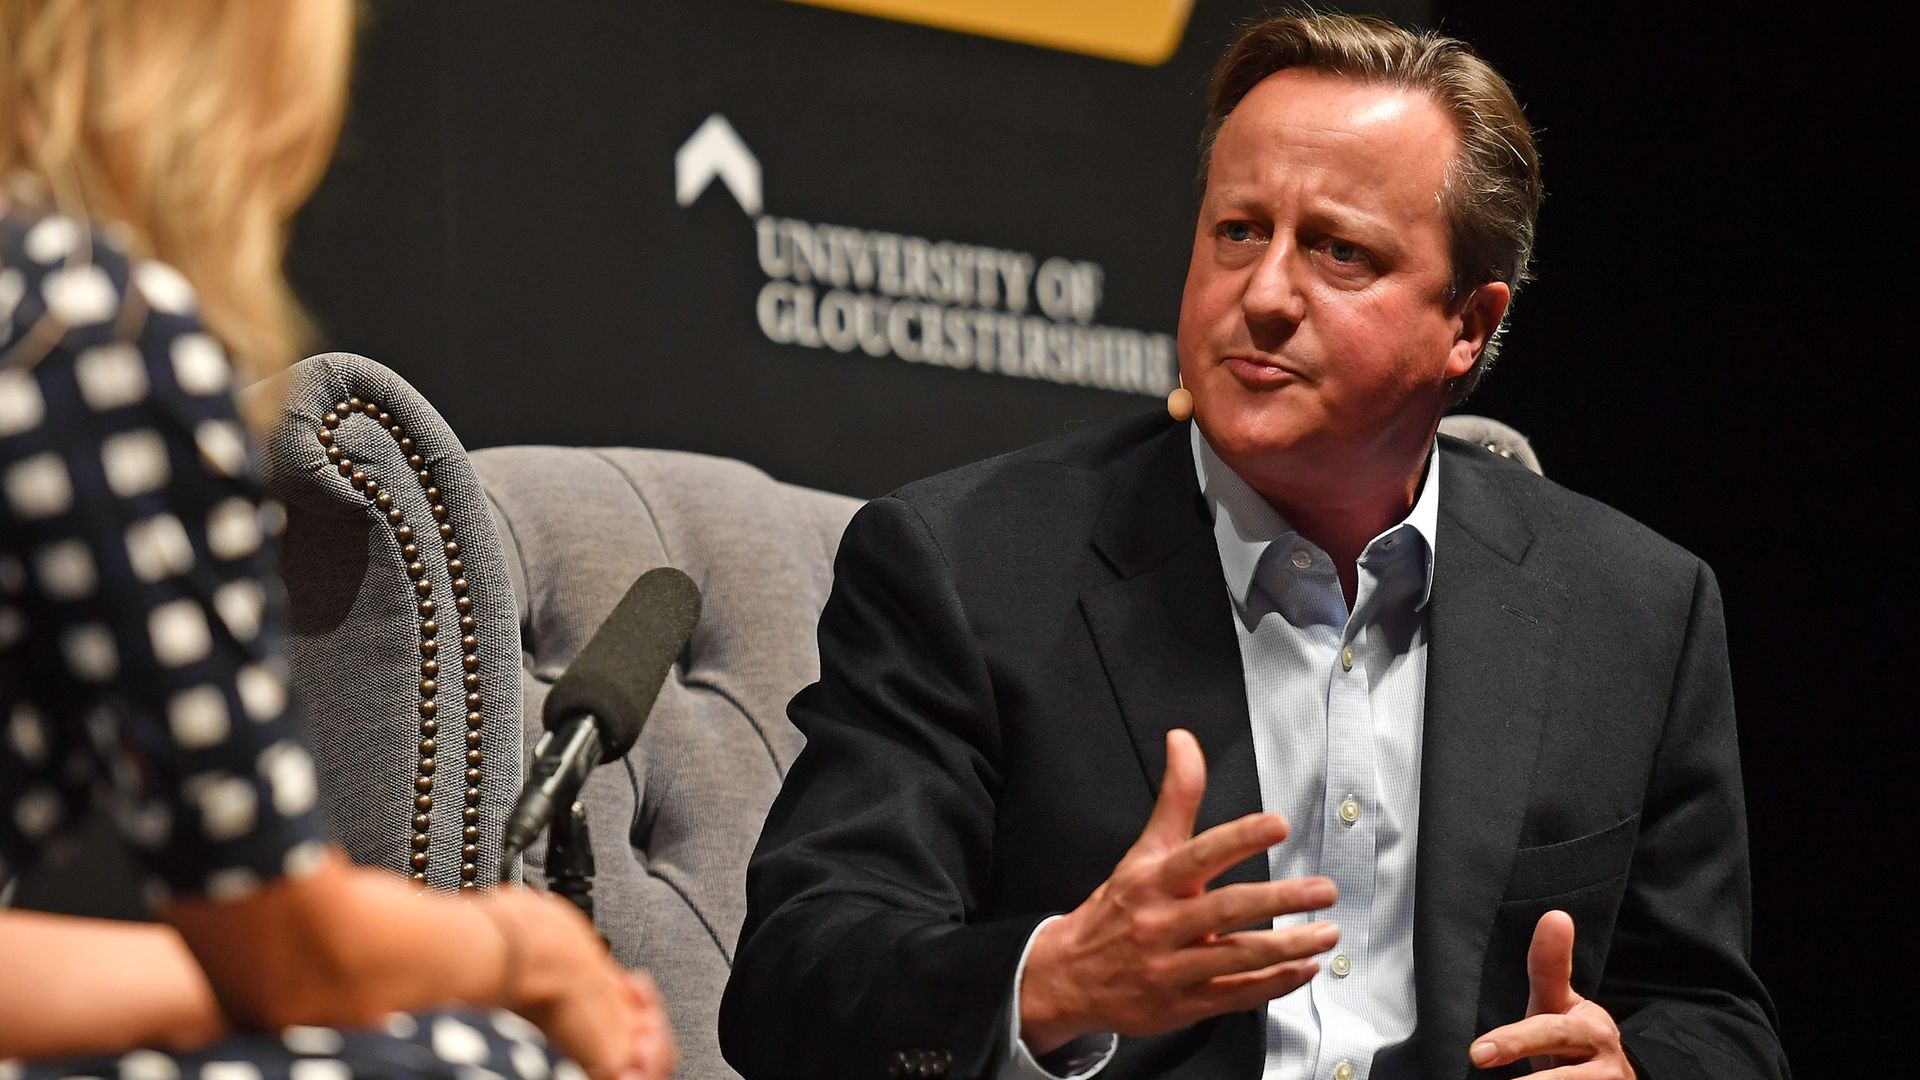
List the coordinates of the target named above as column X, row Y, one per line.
column 151, row 152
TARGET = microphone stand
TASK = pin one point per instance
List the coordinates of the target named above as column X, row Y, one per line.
column 570, row 859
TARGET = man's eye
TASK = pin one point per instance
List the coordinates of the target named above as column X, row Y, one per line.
column 1345, row 253
column 1239, row 232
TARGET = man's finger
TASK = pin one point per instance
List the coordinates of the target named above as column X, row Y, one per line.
column 1231, row 907
column 1181, row 787
column 1201, row 859
column 1253, row 989
column 1584, row 1070
column 1550, row 965
column 1546, row 1035
column 1252, row 951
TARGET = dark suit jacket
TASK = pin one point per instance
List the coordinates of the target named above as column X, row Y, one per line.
column 1006, row 646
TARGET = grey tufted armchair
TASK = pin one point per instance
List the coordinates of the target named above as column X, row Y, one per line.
column 434, row 598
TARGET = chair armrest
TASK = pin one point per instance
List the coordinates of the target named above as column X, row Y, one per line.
column 405, row 661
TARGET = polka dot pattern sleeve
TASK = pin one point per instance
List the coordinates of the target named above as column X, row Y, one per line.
column 141, row 627
column 451, row 1044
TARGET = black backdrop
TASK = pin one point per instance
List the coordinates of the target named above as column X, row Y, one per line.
column 1711, row 345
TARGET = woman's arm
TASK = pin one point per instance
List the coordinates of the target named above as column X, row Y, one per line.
column 346, row 945
column 70, row 986
column 343, row 946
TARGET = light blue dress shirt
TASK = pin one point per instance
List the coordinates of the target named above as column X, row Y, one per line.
column 1336, row 700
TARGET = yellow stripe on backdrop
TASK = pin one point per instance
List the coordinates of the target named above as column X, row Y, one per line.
column 1142, row 32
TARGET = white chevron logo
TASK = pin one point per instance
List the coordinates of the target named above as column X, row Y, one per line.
column 715, row 150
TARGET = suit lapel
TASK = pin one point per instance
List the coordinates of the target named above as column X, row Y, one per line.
column 1163, row 631
column 1493, row 637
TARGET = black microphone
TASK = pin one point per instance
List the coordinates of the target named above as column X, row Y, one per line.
column 596, row 708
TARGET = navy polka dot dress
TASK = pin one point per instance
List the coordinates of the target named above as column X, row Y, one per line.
column 142, row 637
column 140, row 641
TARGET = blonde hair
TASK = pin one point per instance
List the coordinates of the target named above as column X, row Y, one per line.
column 197, row 125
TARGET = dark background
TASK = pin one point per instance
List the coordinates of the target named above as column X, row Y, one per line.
column 1710, row 345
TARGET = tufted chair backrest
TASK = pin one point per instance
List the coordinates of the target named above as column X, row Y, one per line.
column 674, row 822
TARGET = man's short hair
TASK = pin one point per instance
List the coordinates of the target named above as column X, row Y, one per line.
column 1492, row 191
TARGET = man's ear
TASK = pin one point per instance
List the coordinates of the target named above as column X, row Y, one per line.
column 1477, row 319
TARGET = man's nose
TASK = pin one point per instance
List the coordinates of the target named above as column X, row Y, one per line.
column 1274, row 295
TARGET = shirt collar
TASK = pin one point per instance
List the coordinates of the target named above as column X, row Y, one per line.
column 1244, row 523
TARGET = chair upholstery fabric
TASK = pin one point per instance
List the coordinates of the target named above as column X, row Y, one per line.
column 355, row 624
column 1495, row 436
column 674, row 822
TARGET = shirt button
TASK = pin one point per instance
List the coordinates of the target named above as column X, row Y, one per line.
column 1346, row 658
column 1341, row 966
column 1350, row 811
column 1343, row 1071
column 1301, row 559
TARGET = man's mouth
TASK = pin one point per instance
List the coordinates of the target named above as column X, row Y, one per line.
column 1260, row 371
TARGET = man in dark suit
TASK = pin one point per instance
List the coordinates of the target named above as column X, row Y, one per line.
column 1288, row 742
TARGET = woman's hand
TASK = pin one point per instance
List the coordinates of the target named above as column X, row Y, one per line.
column 346, row 945
column 611, row 1021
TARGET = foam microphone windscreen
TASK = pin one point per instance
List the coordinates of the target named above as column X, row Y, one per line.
column 617, row 676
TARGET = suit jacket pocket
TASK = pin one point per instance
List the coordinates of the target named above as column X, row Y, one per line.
column 1574, row 864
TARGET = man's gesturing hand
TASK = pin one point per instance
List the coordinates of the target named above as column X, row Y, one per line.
column 1563, row 1032
column 1151, row 950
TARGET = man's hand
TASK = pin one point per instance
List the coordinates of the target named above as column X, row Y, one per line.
column 1151, row 950
column 1563, row 1032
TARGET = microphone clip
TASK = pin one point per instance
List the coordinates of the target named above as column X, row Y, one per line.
column 561, row 761
column 570, row 859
